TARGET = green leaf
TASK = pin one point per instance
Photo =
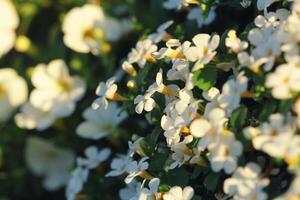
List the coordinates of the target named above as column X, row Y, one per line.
column 196, row 172
column 196, row 197
column 151, row 141
column 164, row 188
column 238, row 117
column 205, row 78
column 157, row 162
column 211, row 181
column 177, row 176
column 267, row 109
column 285, row 105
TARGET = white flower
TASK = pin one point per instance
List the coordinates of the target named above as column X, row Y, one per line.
column 173, row 50
column 273, row 19
column 152, row 192
column 144, row 102
column 234, row 43
column 78, row 177
column 231, row 93
column 267, row 44
column 93, row 157
column 275, row 137
column 246, row 183
column 212, row 96
column 131, row 191
column 13, row 92
column 197, row 14
column 177, row 193
column 224, row 153
column 31, row 117
column 210, row 127
column 160, row 33
column 8, row 25
column 55, row 90
column 86, row 29
column 181, row 153
column 142, row 52
column 119, row 165
column 105, row 91
column 180, row 71
column 100, row 123
column 263, row 4
column 284, row 81
column 135, row 168
column 178, row 4
column 250, row 61
column 45, row 159
column 204, row 51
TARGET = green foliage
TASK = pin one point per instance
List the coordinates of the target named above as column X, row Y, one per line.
column 205, row 78
column 238, row 117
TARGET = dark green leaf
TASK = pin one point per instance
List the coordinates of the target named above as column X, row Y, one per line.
column 285, row 105
column 211, row 181
column 151, row 141
column 177, row 176
column 205, row 78
column 238, row 117
column 267, row 109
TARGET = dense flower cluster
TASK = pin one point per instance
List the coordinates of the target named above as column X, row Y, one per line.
column 211, row 116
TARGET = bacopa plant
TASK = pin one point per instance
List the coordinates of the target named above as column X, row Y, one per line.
column 150, row 100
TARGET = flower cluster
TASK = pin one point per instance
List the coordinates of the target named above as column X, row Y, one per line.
column 187, row 113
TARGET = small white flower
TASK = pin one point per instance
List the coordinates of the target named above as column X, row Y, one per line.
column 232, row 90
column 267, row 44
column 160, row 33
column 8, row 26
column 135, row 168
column 177, row 193
column 224, row 153
column 273, row 19
column 142, row 52
column 174, row 50
column 234, row 43
column 86, row 29
column 246, row 183
column 119, row 165
column 181, row 153
column 106, row 91
column 275, row 137
column 263, row 4
column 45, row 159
column 100, row 123
column 31, row 117
column 93, row 157
column 284, row 81
column 180, row 71
column 178, row 4
column 78, row 177
column 204, row 51
column 131, row 191
column 13, row 92
column 152, row 192
column 144, row 102
column 55, row 90
column 197, row 14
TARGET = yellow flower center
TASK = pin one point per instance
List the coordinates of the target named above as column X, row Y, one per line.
column 94, row 34
column 2, row 91
column 64, row 86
